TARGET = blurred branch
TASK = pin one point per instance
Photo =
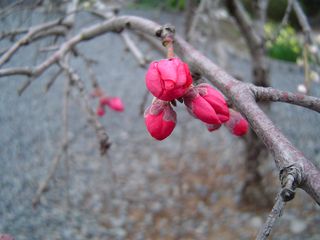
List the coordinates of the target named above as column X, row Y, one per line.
column 55, row 27
column 195, row 20
column 27, row 38
column 283, row 22
column 307, row 31
column 52, row 80
column 92, row 118
column 44, row 184
column 132, row 47
column 237, row 10
column 8, row 9
column 260, row 8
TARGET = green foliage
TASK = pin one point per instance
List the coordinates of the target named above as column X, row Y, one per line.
column 286, row 46
column 176, row 5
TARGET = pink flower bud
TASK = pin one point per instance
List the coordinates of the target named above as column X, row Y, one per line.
column 168, row 79
column 237, row 124
column 207, row 104
column 160, row 119
column 213, row 127
column 116, row 104
column 100, row 111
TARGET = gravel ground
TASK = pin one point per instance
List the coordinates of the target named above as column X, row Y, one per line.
column 185, row 187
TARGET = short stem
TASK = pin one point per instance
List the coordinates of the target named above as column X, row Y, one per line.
column 169, row 46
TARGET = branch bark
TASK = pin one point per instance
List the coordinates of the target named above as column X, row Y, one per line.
column 275, row 95
column 273, row 216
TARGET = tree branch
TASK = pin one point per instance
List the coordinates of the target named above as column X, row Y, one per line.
column 275, row 213
column 99, row 128
column 252, row 38
column 275, row 95
column 27, row 38
column 241, row 95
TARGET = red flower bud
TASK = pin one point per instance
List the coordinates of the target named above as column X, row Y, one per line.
column 213, row 127
column 207, row 104
column 168, row 79
column 237, row 124
column 100, row 111
column 116, row 104
column 160, row 119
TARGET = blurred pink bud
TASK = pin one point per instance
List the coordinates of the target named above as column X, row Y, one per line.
column 207, row 104
column 168, row 79
column 160, row 119
column 116, row 104
column 213, row 127
column 5, row 237
column 100, row 111
column 237, row 124
column 104, row 101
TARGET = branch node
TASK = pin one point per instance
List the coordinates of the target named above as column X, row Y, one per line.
column 166, row 33
column 290, row 178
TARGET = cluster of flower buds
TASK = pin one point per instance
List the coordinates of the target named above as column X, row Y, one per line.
column 170, row 79
column 113, row 103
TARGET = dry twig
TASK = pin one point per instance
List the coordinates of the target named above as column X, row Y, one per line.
column 275, row 213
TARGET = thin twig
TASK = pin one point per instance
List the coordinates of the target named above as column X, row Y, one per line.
column 25, row 85
column 133, row 49
column 101, row 133
column 131, row 45
column 52, row 80
column 275, row 213
column 44, row 184
column 271, row 94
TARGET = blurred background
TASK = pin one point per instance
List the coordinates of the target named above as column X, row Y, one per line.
column 192, row 185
